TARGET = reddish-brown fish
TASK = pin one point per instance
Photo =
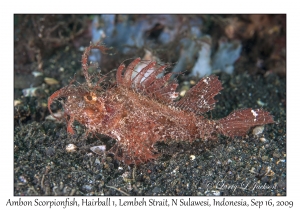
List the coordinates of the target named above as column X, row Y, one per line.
column 139, row 111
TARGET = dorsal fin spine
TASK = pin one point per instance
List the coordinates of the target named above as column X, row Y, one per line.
column 119, row 74
column 158, row 88
column 138, row 78
column 148, row 81
column 128, row 73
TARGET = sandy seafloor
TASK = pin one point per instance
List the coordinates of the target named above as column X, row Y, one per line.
column 253, row 165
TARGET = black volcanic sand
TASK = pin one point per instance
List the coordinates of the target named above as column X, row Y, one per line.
column 250, row 165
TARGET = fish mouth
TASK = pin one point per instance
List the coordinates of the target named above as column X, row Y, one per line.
column 67, row 92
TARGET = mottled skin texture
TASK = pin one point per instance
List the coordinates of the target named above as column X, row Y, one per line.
column 140, row 111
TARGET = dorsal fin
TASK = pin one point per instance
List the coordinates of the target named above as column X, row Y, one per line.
column 200, row 98
column 160, row 89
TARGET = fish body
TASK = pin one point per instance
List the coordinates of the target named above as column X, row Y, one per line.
column 139, row 111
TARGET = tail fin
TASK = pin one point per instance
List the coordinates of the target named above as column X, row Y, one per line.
column 240, row 121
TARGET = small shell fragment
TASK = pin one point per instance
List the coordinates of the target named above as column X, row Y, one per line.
column 58, row 114
column 29, row 92
column 98, row 149
column 22, row 179
column 216, row 192
column 97, row 161
column 269, row 172
column 192, row 157
column 71, row 148
column 37, row 73
column 50, row 81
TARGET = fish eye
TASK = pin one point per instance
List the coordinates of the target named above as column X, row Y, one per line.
column 91, row 97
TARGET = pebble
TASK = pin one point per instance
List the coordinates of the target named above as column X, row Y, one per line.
column 260, row 103
column 156, row 190
column 276, row 154
column 71, row 148
column 37, row 73
column 87, row 187
column 258, row 130
column 263, row 139
column 17, row 102
column 182, row 93
column 192, row 157
column 50, row 81
column 265, row 158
